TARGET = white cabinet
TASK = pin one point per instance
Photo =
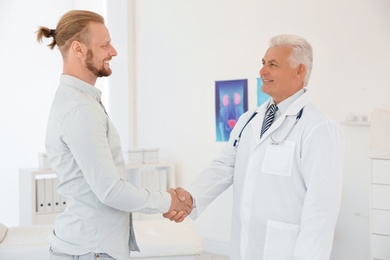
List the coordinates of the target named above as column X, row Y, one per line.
column 156, row 176
column 39, row 202
column 380, row 209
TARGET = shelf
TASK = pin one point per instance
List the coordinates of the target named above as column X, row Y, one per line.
column 356, row 123
column 153, row 176
column 149, row 165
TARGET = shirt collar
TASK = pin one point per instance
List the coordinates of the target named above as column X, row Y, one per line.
column 285, row 104
column 83, row 86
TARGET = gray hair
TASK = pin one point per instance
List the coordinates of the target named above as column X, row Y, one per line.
column 302, row 52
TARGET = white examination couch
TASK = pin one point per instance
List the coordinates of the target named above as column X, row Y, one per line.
column 157, row 239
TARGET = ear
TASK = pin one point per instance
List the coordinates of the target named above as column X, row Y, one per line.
column 301, row 70
column 79, row 49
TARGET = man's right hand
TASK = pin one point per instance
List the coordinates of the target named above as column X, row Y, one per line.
column 181, row 205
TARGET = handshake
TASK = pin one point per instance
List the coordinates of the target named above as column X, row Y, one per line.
column 181, row 205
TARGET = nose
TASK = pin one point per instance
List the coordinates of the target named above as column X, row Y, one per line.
column 262, row 71
column 113, row 51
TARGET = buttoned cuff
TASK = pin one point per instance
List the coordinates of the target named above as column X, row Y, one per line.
column 166, row 203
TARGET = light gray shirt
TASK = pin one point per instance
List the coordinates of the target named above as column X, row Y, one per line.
column 84, row 150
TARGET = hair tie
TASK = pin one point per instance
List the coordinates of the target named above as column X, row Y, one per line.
column 52, row 33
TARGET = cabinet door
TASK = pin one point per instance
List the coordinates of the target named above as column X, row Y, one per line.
column 380, row 196
column 380, row 248
column 380, row 222
column 380, row 171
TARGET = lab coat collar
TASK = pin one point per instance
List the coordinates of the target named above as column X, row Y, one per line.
column 288, row 111
column 293, row 109
column 283, row 107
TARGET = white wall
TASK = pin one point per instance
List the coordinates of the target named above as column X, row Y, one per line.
column 29, row 74
column 181, row 48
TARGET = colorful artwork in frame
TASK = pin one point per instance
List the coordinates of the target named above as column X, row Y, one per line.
column 231, row 101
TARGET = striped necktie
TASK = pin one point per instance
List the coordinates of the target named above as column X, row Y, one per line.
column 269, row 118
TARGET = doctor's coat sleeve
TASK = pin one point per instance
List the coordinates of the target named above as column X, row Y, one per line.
column 218, row 176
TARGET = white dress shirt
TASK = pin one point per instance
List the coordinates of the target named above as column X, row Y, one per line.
column 84, row 150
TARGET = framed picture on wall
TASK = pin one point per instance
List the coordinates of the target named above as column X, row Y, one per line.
column 231, row 101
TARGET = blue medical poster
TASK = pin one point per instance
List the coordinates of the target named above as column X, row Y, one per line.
column 261, row 96
column 231, row 101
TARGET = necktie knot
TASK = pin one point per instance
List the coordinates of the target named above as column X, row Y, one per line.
column 269, row 118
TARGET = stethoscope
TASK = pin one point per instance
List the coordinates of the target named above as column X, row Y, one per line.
column 274, row 142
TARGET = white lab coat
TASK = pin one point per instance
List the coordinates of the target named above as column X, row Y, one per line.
column 286, row 197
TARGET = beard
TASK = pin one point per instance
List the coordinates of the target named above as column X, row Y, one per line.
column 98, row 72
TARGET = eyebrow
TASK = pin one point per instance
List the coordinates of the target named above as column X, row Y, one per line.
column 270, row 61
column 104, row 43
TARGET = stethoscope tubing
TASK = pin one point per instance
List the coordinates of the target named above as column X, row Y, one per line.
column 274, row 142
column 277, row 142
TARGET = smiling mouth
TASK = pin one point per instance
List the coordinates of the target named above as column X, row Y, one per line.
column 107, row 63
column 266, row 80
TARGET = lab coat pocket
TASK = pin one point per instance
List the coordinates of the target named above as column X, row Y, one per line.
column 280, row 240
column 278, row 159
